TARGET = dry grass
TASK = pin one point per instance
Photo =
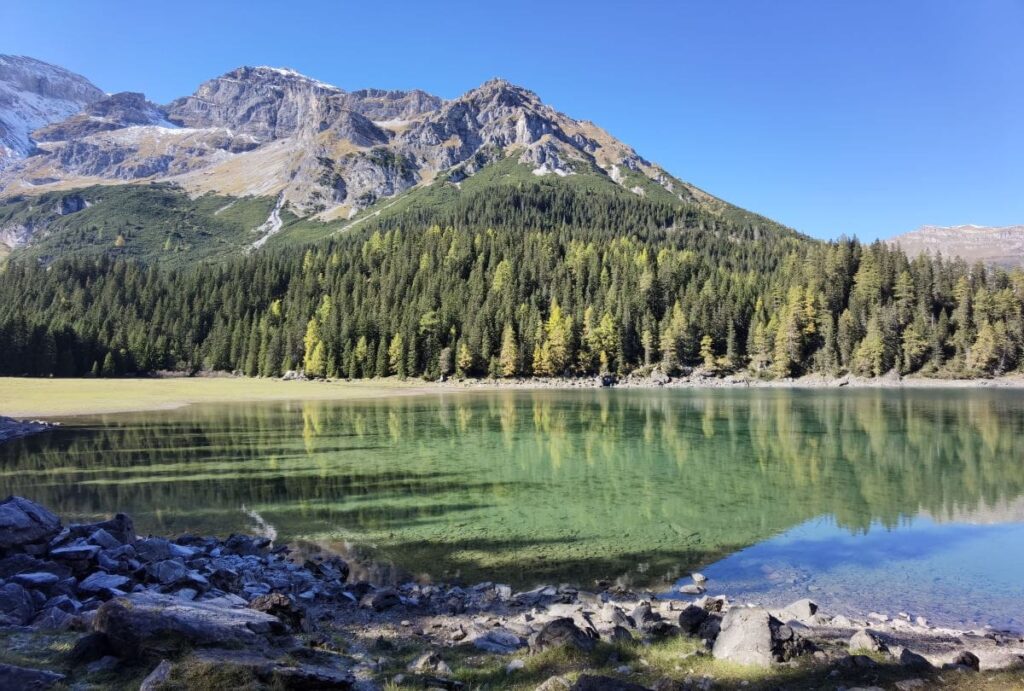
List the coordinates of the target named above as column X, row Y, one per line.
column 55, row 398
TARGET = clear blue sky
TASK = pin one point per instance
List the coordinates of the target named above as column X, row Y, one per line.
column 868, row 118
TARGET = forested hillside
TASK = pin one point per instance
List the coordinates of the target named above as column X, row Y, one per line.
column 525, row 279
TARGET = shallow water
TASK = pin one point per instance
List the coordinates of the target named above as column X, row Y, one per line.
column 848, row 495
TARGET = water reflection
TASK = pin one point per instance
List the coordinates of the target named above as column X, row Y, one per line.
column 532, row 486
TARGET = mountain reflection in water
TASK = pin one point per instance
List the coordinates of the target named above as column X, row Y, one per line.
column 528, row 487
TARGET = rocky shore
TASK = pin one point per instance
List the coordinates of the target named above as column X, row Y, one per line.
column 701, row 379
column 123, row 611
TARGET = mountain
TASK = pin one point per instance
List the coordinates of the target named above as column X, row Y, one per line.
column 1002, row 246
column 318, row 157
column 34, row 94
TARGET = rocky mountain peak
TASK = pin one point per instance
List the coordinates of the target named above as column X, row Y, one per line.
column 266, row 102
column 34, row 93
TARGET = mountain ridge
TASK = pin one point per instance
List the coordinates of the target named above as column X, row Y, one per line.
column 1000, row 245
column 321, row 153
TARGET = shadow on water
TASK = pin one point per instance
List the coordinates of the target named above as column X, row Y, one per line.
column 526, row 486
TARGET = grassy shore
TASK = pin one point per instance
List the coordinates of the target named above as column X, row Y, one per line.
column 54, row 398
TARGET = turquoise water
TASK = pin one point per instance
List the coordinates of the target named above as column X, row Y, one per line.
column 769, row 491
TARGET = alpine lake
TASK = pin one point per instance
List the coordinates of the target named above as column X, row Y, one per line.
column 869, row 499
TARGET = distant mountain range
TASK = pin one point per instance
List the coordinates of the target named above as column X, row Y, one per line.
column 1003, row 246
column 294, row 150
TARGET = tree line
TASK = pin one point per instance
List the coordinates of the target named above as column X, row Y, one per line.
column 521, row 282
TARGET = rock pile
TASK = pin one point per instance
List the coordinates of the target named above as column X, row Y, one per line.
column 242, row 602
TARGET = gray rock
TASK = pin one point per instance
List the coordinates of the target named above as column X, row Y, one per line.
column 153, row 549
column 281, row 606
column 620, row 634
column 80, row 551
column 104, row 539
column 385, row 598
column 16, row 604
column 37, row 579
column 642, row 615
column 100, row 581
column 561, row 632
column 155, row 679
column 152, row 622
column 801, row 610
column 120, row 527
column 500, row 641
column 24, row 563
column 747, row 637
column 53, row 619
column 26, row 679
column 430, row 662
column 866, row 639
column 967, row 659
column 911, row 660
column 691, row 618
column 168, row 571
column 23, row 522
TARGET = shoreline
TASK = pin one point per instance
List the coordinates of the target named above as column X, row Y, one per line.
column 27, row 398
column 176, row 612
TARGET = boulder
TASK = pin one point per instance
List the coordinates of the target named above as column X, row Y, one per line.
column 24, row 563
column 153, row 622
column 561, row 632
column 500, row 641
column 967, row 659
column 691, row 618
column 430, row 662
column 801, row 610
column 53, row 619
column 642, row 615
column 89, row 648
column 866, row 639
column 620, row 634
column 281, row 606
column 102, row 582
column 36, row 579
column 24, row 522
column 16, row 605
column 911, row 660
column 168, row 571
column 153, row 549
column 751, row 636
column 26, row 679
column 383, row 599
column 121, row 528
